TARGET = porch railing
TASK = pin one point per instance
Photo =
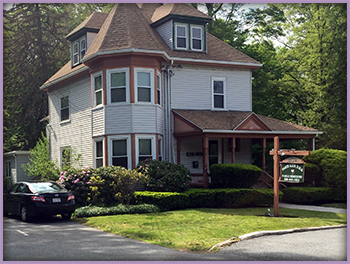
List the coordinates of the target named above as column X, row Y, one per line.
column 269, row 180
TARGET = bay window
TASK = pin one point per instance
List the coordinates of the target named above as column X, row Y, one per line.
column 144, row 88
column 118, row 85
column 97, row 88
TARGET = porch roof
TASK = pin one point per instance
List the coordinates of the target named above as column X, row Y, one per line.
column 240, row 122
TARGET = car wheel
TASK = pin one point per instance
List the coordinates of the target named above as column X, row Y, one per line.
column 24, row 214
column 66, row 216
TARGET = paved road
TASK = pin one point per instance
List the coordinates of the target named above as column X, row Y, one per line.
column 57, row 240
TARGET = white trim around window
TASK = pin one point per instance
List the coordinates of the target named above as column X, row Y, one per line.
column 118, row 86
column 159, row 89
column 8, row 171
column 64, row 109
column 181, row 36
column 144, row 85
column 119, row 151
column 145, row 147
column 98, row 152
column 197, row 41
column 218, row 91
column 97, row 89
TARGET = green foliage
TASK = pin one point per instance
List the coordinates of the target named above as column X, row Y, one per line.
column 164, row 176
column 89, row 211
column 333, row 165
column 102, row 186
column 207, row 198
column 313, row 175
column 40, row 164
column 312, row 195
column 234, row 175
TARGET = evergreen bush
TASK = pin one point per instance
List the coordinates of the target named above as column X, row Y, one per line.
column 333, row 165
column 312, row 195
column 164, row 176
column 234, row 175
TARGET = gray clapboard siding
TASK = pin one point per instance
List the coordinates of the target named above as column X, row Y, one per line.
column 191, row 88
column 98, row 121
column 118, row 119
column 166, row 32
column 75, row 133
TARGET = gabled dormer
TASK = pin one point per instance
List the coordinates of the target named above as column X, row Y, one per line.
column 182, row 27
column 82, row 36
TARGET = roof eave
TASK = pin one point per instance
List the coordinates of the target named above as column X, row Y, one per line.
column 178, row 59
column 60, row 79
column 263, row 132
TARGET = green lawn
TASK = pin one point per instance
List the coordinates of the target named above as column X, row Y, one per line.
column 200, row 229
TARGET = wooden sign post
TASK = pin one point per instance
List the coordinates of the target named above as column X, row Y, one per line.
column 277, row 152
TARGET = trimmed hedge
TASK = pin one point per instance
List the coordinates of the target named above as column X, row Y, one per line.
column 234, row 175
column 312, row 195
column 333, row 165
column 88, row 211
column 209, row 198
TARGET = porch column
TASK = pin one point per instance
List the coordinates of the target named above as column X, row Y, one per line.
column 178, row 146
column 263, row 176
column 205, row 161
column 233, row 150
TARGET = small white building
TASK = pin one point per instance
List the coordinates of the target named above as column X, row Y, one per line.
column 13, row 162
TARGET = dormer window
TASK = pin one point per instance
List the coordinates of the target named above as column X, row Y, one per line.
column 78, row 50
column 181, row 36
column 189, row 37
column 196, row 38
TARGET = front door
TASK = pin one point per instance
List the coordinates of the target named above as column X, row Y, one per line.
column 214, row 152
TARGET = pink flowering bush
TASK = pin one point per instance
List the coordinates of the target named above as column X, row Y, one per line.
column 102, row 186
column 164, row 176
column 78, row 181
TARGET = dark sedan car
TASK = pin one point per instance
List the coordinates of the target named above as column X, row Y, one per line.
column 29, row 199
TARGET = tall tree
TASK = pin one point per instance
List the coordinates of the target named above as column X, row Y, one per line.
column 314, row 62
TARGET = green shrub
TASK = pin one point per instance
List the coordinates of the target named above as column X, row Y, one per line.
column 164, row 200
column 312, row 195
column 333, row 165
column 234, row 175
column 164, row 176
column 209, row 198
column 103, row 186
column 313, row 176
column 88, row 211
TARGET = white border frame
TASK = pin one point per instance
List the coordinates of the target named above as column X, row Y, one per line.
column 128, row 148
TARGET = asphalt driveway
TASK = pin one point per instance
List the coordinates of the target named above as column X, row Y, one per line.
column 57, row 240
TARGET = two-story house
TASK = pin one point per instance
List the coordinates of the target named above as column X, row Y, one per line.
column 146, row 81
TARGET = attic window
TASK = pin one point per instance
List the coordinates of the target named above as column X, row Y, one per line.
column 189, row 37
column 78, row 50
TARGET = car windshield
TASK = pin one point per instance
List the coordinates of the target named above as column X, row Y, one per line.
column 46, row 187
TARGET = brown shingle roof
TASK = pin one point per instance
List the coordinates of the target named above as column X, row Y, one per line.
column 177, row 9
column 231, row 120
column 94, row 21
column 127, row 26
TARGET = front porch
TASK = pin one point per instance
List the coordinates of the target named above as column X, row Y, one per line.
column 207, row 137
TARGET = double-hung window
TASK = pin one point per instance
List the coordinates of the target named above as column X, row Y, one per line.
column 98, row 152
column 120, row 147
column 144, row 85
column 159, row 94
column 79, row 48
column 64, row 108
column 196, row 38
column 82, row 48
column 180, row 36
column 118, row 85
column 8, row 169
column 97, row 88
column 218, row 93
column 145, row 148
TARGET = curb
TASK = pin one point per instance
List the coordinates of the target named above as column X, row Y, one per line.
column 268, row 233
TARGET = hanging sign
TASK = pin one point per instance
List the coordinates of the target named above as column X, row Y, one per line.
column 292, row 170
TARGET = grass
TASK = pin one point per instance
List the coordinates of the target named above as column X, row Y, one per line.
column 336, row 205
column 197, row 230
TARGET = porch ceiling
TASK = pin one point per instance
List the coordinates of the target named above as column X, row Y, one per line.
column 187, row 122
